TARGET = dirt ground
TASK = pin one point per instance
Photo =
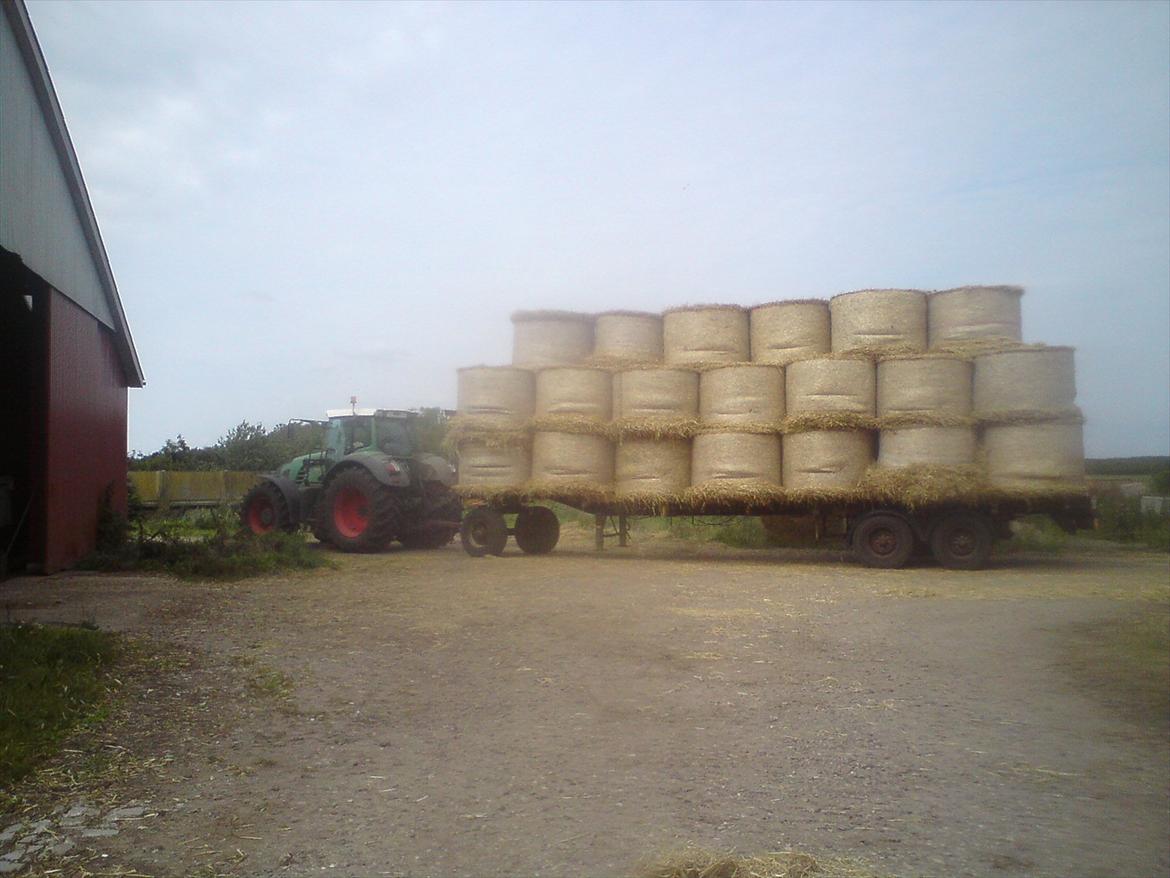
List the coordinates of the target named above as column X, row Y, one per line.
column 425, row 713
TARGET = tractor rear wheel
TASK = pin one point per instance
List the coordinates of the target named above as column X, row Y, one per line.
column 359, row 513
column 265, row 510
column 537, row 530
column 445, row 509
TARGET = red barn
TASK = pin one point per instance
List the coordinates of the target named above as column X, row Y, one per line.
column 66, row 355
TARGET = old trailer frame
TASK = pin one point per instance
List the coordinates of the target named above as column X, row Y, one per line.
column 887, row 535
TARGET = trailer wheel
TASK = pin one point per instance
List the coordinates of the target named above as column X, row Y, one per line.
column 537, row 530
column 264, row 510
column 883, row 539
column 483, row 532
column 962, row 540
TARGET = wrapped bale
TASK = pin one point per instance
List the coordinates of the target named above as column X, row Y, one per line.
column 974, row 313
column 628, row 337
column 830, row 393
column 830, row 461
column 878, row 320
column 924, row 389
column 1030, row 384
column 701, row 334
column 782, row 332
column 497, row 467
column 927, row 446
column 551, row 338
column 652, row 469
column 572, row 466
column 495, row 396
column 1035, row 458
column 656, row 402
column 729, row 464
column 574, row 395
column 742, row 396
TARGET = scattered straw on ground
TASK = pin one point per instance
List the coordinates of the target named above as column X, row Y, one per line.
column 695, row 862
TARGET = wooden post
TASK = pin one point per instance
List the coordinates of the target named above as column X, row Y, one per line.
column 623, row 531
column 598, row 532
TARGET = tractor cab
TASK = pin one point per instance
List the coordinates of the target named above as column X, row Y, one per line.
column 388, row 431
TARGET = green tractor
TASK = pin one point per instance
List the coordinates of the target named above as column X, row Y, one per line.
column 369, row 486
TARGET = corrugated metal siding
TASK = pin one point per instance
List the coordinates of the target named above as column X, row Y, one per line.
column 86, row 431
column 38, row 216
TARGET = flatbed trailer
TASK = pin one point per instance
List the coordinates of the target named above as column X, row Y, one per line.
column 959, row 535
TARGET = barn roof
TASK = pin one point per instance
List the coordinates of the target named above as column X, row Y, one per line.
column 41, row 189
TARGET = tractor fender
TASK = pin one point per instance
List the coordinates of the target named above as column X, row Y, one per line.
column 385, row 469
column 432, row 468
column 291, row 493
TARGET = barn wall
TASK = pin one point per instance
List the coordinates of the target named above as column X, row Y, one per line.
column 86, row 431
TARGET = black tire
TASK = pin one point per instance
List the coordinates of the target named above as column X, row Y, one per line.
column 537, row 530
column 359, row 513
column 883, row 539
column 445, row 508
column 265, row 510
column 483, row 532
column 962, row 540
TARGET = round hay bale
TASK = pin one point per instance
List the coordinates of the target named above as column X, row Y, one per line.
column 652, row 468
column 941, row 446
column 829, row 385
column 930, row 386
column 656, row 396
column 969, row 313
column 496, row 395
column 743, row 395
column 1035, row 457
column 493, row 466
column 876, row 320
column 698, row 334
column 736, row 459
column 551, row 338
column 782, row 332
column 628, row 336
column 825, row 460
column 571, row 460
column 574, row 391
column 1030, row 382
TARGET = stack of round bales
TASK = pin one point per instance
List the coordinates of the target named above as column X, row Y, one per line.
column 736, row 454
column 490, row 429
column 924, row 408
column 971, row 317
column 702, row 335
column 551, row 338
column 655, row 414
column 572, row 455
column 1025, row 401
column 627, row 338
column 782, row 332
column 828, row 441
column 877, row 321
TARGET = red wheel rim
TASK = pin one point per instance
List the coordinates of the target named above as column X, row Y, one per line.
column 261, row 515
column 351, row 512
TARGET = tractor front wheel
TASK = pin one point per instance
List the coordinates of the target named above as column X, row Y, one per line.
column 359, row 513
column 265, row 510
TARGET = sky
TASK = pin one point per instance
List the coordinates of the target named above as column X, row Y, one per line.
column 304, row 202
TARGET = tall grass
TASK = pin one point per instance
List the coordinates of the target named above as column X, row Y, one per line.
column 51, row 680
